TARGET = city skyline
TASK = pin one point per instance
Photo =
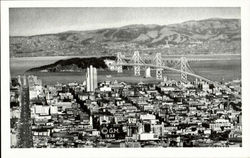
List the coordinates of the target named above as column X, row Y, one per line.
column 150, row 90
column 86, row 76
column 33, row 21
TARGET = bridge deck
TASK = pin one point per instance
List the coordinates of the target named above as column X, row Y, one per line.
column 176, row 70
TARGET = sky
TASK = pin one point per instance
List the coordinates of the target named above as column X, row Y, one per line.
column 33, row 21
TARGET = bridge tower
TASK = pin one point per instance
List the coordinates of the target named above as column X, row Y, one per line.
column 158, row 61
column 119, row 61
column 184, row 63
column 137, row 60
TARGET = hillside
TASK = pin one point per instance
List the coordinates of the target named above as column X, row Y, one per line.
column 215, row 36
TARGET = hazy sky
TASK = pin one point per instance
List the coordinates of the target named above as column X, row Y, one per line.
column 31, row 21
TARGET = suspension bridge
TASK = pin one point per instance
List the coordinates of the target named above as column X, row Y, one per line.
column 179, row 65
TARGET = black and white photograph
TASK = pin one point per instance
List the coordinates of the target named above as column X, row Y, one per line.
column 152, row 77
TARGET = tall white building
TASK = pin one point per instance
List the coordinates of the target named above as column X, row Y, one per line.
column 91, row 79
column 24, row 81
column 148, row 73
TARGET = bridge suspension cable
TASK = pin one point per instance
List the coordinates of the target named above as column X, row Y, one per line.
column 182, row 67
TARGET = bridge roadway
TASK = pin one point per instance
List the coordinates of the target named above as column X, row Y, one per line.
column 178, row 59
column 176, row 70
column 165, row 67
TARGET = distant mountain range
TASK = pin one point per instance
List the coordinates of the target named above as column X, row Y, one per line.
column 209, row 36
